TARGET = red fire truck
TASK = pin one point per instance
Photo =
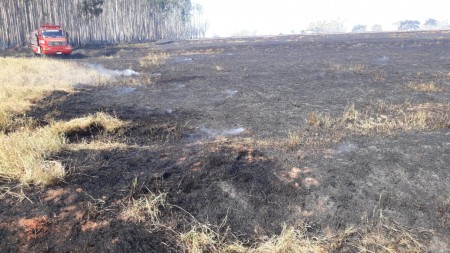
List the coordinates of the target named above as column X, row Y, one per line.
column 50, row 40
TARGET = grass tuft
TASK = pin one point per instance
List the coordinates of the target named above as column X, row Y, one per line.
column 427, row 116
column 199, row 239
column 425, row 87
column 6, row 119
column 356, row 68
column 290, row 240
column 384, row 236
column 294, row 140
column 380, row 237
column 13, row 192
column 376, row 118
column 99, row 120
column 319, row 120
column 145, row 208
column 23, row 156
column 154, row 58
column 380, row 76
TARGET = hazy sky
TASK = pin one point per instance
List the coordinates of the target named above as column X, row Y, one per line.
column 226, row 17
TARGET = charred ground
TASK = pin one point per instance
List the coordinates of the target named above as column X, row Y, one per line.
column 225, row 128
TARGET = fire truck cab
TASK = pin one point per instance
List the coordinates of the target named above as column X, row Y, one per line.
column 50, row 40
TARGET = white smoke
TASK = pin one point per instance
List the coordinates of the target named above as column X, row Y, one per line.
column 113, row 73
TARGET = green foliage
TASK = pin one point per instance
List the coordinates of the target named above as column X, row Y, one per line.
column 408, row 25
column 91, row 8
column 169, row 5
column 431, row 22
column 359, row 28
column 164, row 7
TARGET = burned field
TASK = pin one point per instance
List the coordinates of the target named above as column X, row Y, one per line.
column 343, row 137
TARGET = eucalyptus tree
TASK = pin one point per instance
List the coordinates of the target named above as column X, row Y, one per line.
column 98, row 21
column 92, row 8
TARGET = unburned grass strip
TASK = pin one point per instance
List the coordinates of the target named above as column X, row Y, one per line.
column 27, row 80
column 24, row 154
column 386, row 118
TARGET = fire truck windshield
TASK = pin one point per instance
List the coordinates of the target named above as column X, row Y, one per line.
column 53, row 33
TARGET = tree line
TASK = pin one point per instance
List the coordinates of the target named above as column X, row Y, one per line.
column 101, row 21
column 409, row 25
column 338, row 26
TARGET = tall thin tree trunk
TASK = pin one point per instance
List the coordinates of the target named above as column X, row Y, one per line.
column 121, row 20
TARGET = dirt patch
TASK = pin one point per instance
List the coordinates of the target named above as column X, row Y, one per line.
column 33, row 228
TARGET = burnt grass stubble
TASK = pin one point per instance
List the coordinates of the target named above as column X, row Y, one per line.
column 267, row 86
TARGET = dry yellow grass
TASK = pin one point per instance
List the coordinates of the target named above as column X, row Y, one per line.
column 13, row 192
column 294, row 140
column 386, row 118
column 425, row 87
column 25, row 148
column 376, row 118
column 99, row 120
column 6, row 119
column 145, row 208
column 380, row 76
column 23, row 156
column 320, row 120
column 356, row 68
column 26, row 81
column 290, row 240
column 154, row 58
column 379, row 237
column 199, row 239
column 202, row 238
column 198, row 52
